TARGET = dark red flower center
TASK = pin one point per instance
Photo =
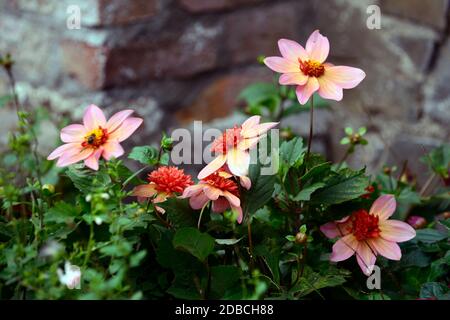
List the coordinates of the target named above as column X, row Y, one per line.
column 222, row 183
column 312, row 68
column 364, row 225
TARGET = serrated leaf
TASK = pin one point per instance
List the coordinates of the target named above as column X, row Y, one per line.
column 147, row 155
column 341, row 188
column 87, row 180
column 291, row 151
column 261, row 190
column 199, row 244
column 179, row 212
column 305, row 194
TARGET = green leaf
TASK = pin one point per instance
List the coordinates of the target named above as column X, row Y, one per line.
column 62, row 212
column 312, row 281
column 179, row 212
column 223, row 278
column 348, row 130
column 261, row 94
column 271, row 257
column 261, row 190
column 290, row 238
column 291, row 151
column 439, row 268
column 228, row 242
column 429, row 235
column 87, row 180
column 147, row 155
column 433, row 290
column 342, row 187
column 199, row 244
column 305, row 194
column 439, row 160
column 345, row 140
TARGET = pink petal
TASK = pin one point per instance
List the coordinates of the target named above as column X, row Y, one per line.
column 75, row 147
column 94, row 118
column 238, row 210
column 344, row 248
column 366, row 257
column 112, row 149
column 293, row 78
column 220, row 205
column 238, row 162
column 144, row 191
column 117, row 119
column 249, row 143
column 291, row 50
column 330, row 230
column 388, row 249
column 211, row 192
column 198, row 201
column 317, row 47
column 251, row 122
column 92, row 160
column 245, row 182
column 344, row 77
column 73, row 133
column 69, row 158
column 306, row 91
column 328, row 89
column 192, row 190
column 398, row 231
column 264, row 127
column 232, row 199
column 212, row 167
column 126, row 129
column 384, row 206
column 281, row 65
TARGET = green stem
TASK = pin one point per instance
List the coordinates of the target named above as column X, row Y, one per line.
column 90, row 244
column 311, row 129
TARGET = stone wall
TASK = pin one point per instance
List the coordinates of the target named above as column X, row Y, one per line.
column 179, row 60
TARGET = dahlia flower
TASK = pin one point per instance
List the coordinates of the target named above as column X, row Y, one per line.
column 368, row 234
column 95, row 138
column 220, row 188
column 234, row 145
column 164, row 182
column 307, row 69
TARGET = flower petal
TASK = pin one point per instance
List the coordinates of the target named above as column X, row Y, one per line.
column 232, row 199
column 281, row 65
column 117, row 119
column 387, row 249
column 92, row 160
column 245, row 182
column 345, row 77
column 344, row 248
column 212, row 167
column 94, row 118
column 250, row 122
column 126, row 129
column 366, row 257
column 73, row 133
column 398, row 231
column 306, row 91
column 384, row 206
column 334, row 229
column 71, row 158
column 238, row 162
column 74, row 147
column 198, row 201
column 211, row 192
column 291, row 50
column 220, row 205
column 192, row 190
column 144, row 191
column 293, row 78
column 238, row 210
column 328, row 89
column 317, row 47
column 112, row 149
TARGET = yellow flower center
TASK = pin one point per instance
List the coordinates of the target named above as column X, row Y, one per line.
column 95, row 138
column 312, row 68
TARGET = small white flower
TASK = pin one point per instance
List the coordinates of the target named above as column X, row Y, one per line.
column 105, row 196
column 88, row 198
column 50, row 249
column 71, row 276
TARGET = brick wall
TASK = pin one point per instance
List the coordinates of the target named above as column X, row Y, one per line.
column 179, row 60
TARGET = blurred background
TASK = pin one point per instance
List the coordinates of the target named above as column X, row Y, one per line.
column 175, row 61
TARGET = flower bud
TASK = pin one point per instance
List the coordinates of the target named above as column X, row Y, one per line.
column 301, row 238
column 49, row 188
column 417, row 222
